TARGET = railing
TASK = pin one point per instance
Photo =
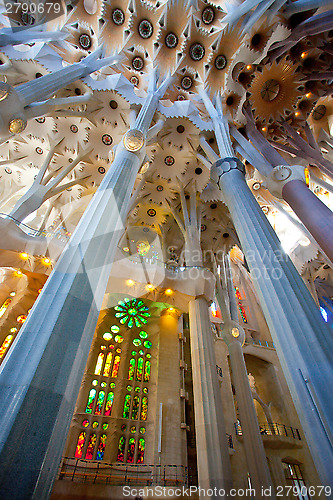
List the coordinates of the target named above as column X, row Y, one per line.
column 261, row 343
column 273, row 429
column 95, row 471
column 34, row 232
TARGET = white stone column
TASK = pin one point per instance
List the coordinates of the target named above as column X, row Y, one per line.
column 41, row 378
column 303, row 340
column 233, row 335
column 212, row 448
column 253, row 445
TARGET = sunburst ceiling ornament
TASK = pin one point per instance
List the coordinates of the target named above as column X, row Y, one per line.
column 132, row 312
column 274, row 90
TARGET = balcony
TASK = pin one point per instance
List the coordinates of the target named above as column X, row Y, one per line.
column 117, row 474
column 275, row 435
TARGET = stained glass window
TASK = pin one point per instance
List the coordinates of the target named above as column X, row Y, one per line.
column 91, row 400
column 147, row 344
column 108, row 406
column 132, row 312
column 144, row 408
column 85, row 423
column 147, row 371
column 80, row 445
column 99, row 364
column 107, row 367
column 103, row 384
column 119, row 339
column 115, row 367
column 5, row 344
column 105, row 426
column 141, row 451
column 95, row 425
column 238, row 294
column 131, row 369
column 121, row 449
column 99, row 404
column 101, row 447
column 4, row 306
column 139, row 371
column 137, row 342
column 242, row 312
column 114, row 328
column 135, row 408
column 127, row 405
column 91, row 447
column 131, row 451
column 142, row 430
column 143, row 334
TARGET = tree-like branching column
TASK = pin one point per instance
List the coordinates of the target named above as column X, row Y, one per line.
column 212, row 449
column 41, row 377
column 288, row 182
column 233, row 335
column 303, row 340
column 46, row 186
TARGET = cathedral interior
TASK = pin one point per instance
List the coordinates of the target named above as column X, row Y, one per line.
column 166, row 248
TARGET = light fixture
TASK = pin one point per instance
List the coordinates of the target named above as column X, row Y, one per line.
column 46, row 261
column 168, row 291
column 308, row 95
column 18, row 273
column 149, row 286
column 12, row 294
column 303, row 55
column 171, row 309
column 133, row 140
column 24, row 256
column 235, row 332
column 17, row 125
column 130, row 282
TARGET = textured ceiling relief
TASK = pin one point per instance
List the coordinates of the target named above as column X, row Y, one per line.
column 271, row 67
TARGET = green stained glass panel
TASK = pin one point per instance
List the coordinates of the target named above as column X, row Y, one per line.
column 127, row 404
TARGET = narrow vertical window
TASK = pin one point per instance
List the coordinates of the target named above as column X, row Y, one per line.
column 91, row 400
column 5, row 344
column 147, row 371
column 141, row 451
column 80, row 445
column 144, row 408
column 4, row 306
column 127, row 405
column 91, row 447
column 99, row 364
column 99, row 404
column 238, row 294
column 107, row 367
column 108, row 406
column 131, row 451
column 101, row 447
column 242, row 312
column 121, row 449
column 115, row 367
column 139, row 370
column 135, row 408
column 131, row 369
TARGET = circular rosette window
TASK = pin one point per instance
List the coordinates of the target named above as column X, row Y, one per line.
column 132, row 312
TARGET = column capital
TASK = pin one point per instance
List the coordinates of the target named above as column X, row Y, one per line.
column 224, row 165
column 281, row 175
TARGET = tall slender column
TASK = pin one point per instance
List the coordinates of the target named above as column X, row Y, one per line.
column 212, row 451
column 40, row 380
column 303, row 340
column 234, row 335
column 315, row 215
